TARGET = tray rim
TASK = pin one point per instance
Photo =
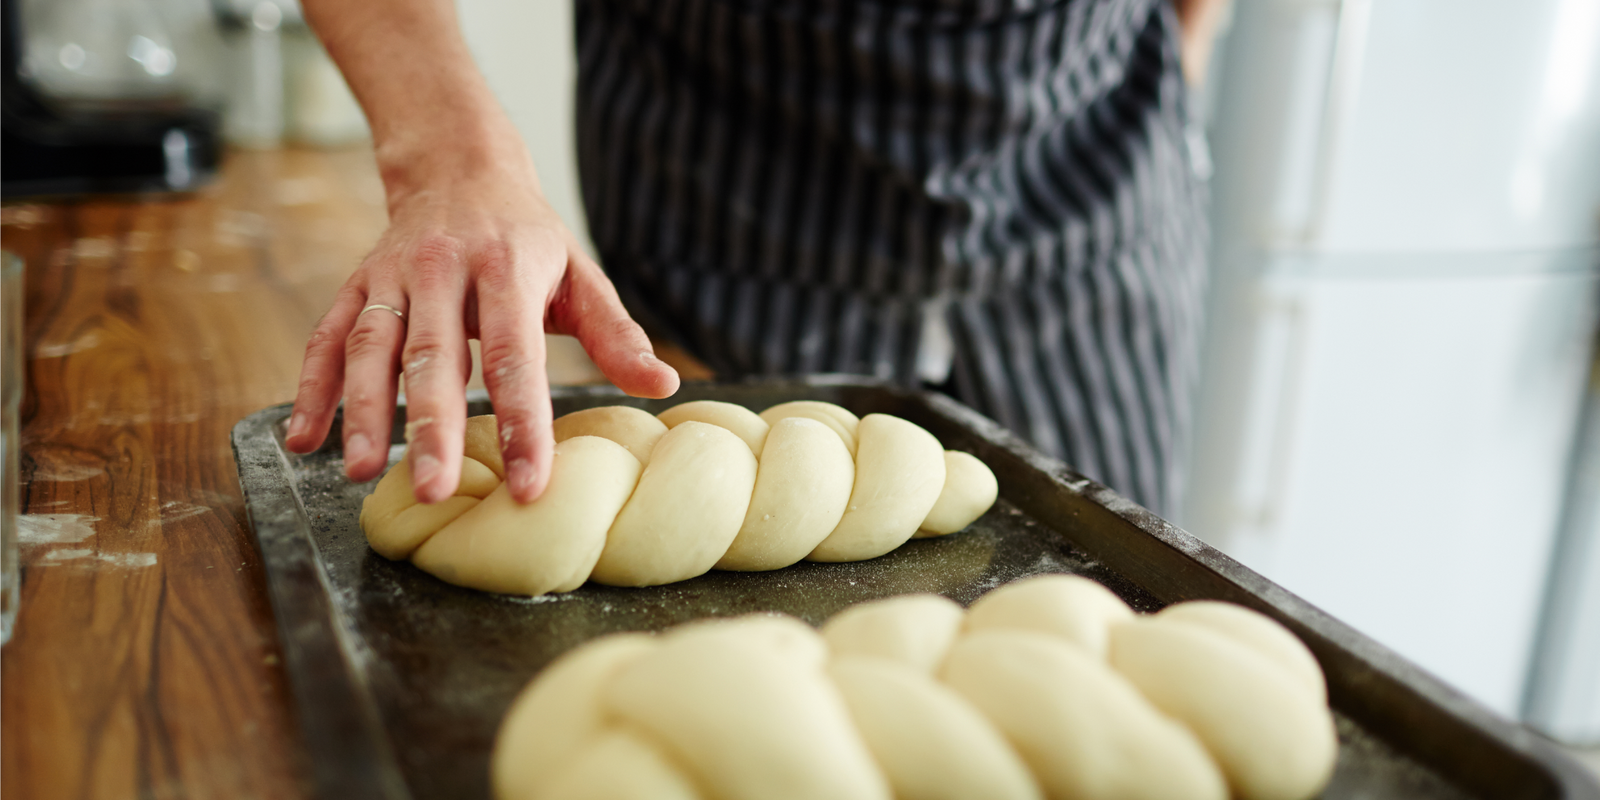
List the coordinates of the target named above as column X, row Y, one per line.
column 340, row 724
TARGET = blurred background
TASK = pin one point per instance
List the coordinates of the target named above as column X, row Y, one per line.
column 1400, row 416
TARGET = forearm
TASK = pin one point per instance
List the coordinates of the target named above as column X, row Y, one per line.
column 1199, row 20
column 432, row 114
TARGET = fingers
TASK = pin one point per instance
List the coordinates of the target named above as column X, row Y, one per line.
column 588, row 307
column 322, row 374
column 371, row 363
column 511, row 332
column 436, row 363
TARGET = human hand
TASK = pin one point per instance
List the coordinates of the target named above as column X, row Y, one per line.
column 472, row 251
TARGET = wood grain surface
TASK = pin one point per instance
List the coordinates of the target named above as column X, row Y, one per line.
column 144, row 662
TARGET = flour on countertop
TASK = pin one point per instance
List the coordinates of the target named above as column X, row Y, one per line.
column 36, row 531
column 42, row 529
column 174, row 510
column 92, row 558
column 66, row 472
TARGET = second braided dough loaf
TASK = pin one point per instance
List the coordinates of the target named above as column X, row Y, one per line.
column 1049, row 688
column 641, row 500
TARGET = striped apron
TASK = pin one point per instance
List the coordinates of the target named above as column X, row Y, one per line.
column 995, row 198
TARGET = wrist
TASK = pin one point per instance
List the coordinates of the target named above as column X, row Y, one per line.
column 434, row 153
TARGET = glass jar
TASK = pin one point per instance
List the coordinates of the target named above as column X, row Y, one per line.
column 10, row 443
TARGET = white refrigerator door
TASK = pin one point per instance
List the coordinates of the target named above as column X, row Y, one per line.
column 1359, row 126
column 1474, row 126
column 1405, row 448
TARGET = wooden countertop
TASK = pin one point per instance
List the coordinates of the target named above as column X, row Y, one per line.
column 145, row 661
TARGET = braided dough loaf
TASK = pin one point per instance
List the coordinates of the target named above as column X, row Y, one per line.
column 1050, row 687
column 642, row 500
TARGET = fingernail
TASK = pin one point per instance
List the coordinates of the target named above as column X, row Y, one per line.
column 649, row 358
column 297, row 425
column 423, row 468
column 356, row 448
column 520, row 473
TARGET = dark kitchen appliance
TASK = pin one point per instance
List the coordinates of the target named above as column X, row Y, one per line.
column 53, row 146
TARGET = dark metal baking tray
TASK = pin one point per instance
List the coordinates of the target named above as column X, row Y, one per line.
column 400, row 680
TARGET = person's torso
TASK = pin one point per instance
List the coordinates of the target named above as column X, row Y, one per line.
column 890, row 148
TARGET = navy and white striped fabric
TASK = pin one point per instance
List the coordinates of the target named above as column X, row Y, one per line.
column 797, row 186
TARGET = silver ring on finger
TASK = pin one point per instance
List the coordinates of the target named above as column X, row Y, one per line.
column 391, row 309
